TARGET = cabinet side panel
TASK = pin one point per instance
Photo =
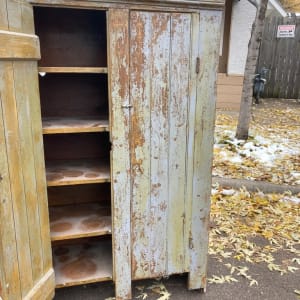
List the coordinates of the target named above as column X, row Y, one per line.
column 9, row 270
column 204, row 128
column 120, row 158
column 178, row 113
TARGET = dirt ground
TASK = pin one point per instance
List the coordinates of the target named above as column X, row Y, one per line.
column 278, row 117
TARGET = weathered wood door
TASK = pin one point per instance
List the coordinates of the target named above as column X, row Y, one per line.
column 161, row 89
column 173, row 59
column 25, row 252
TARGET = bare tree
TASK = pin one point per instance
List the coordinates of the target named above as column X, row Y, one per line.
column 242, row 131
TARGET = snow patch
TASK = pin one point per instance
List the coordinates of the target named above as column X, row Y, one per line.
column 291, row 199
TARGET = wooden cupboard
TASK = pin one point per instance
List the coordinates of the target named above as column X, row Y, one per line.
column 106, row 130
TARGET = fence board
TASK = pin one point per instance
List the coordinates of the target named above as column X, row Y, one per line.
column 281, row 57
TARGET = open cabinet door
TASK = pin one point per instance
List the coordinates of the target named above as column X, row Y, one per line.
column 25, row 252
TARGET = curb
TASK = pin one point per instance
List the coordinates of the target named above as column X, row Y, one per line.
column 265, row 187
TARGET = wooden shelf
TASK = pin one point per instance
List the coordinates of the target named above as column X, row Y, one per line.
column 74, row 172
column 98, row 70
column 77, row 221
column 74, row 125
column 82, row 264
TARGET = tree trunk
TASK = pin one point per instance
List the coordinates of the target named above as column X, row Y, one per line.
column 253, row 51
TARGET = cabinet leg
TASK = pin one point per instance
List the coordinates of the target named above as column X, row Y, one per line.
column 123, row 292
column 197, row 281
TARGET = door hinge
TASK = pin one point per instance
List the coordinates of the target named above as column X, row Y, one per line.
column 197, row 65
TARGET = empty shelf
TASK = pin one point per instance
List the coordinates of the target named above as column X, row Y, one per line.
column 73, row 125
column 80, row 220
column 73, row 172
column 97, row 70
column 83, row 263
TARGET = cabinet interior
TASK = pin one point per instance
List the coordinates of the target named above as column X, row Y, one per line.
column 73, row 88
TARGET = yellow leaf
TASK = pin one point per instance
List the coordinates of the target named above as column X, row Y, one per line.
column 296, row 260
column 267, row 234
column 143, row 296
column 292, row 269
column 165, row 295
column 253, row 282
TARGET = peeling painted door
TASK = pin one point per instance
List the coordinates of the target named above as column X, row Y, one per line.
column 162, row 81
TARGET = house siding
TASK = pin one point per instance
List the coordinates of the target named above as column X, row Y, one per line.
column 243, row 14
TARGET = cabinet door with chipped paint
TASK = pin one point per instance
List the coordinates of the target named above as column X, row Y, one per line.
column 162, row 92
column 25, row 252
column 163, row 87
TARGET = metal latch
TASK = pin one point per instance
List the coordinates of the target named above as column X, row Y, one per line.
column 126, row 106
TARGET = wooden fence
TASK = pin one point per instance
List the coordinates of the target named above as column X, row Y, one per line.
column 282, row 57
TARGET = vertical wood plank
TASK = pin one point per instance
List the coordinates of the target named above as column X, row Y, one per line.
column 22, row 93
column 120, row 168
column 140, row 85
column 178, row 112
column 27, row 17
column 7, row 243
column 31, row 80
column 159, row 131
column 14, row 15
column 210, row 22
column 3, row 15
column 9, row 269
column 280, row 56
column 190, row 134
column 10, row 117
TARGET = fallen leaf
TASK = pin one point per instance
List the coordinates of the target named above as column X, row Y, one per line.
column 292, row 269
column 142, row 296
column 165, row 295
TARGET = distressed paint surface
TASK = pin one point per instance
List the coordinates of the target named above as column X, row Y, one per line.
column 120, row 160
column 190, row 135
column 160, row 94
column 159, row 131
column 203, row 144
column 140, row 76
column 178, row 117
column 150, row 38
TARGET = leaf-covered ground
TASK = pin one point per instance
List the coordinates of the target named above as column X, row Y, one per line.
column 272, row 153
column 252, row 228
